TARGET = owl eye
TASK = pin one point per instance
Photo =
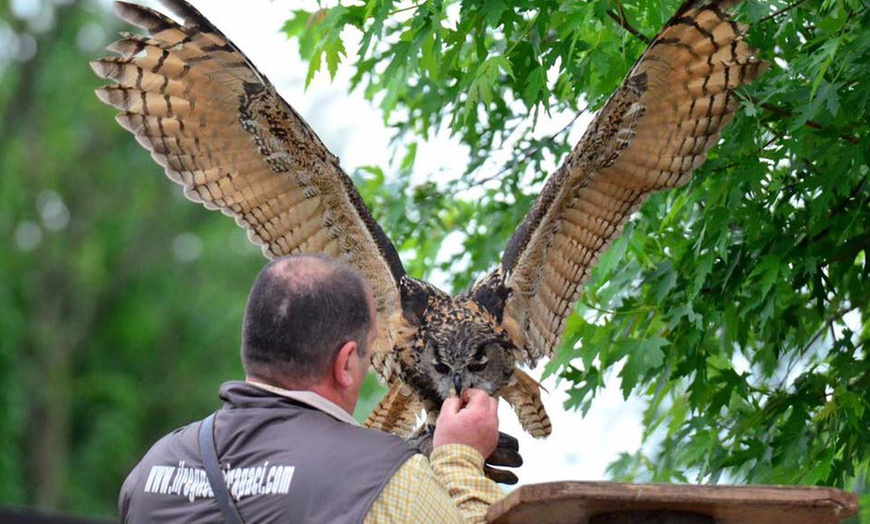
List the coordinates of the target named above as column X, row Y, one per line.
column 440, row 367
column 477, row 367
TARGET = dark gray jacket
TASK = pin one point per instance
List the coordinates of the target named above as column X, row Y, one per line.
column 284, row 461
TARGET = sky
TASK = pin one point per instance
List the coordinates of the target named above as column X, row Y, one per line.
column 580, row 448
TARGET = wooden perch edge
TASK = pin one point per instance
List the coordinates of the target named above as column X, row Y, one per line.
column 576, row 502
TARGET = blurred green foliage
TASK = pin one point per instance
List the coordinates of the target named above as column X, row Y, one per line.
column 120, row 303
column 736, row 306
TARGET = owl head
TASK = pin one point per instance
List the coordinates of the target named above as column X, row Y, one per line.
column 466, row 351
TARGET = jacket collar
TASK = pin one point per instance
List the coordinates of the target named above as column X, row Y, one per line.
column 309, row 398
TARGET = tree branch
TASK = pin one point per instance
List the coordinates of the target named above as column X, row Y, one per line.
column 403, row 9
column 828, row 323
column 623, row 23
column 781, row 11
column 770, row 108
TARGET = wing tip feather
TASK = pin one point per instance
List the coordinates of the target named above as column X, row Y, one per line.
column 138, row 15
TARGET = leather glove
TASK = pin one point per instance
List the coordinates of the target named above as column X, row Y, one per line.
column 506, row 454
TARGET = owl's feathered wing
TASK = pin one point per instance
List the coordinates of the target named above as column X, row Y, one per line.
column 222, row 132
column 650, row 136
column 397, row 411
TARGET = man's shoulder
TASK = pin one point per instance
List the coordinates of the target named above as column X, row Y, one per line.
column 180, row 441
column 376, row 437
column 156, row 466
column 361, row 437
column 181, row 444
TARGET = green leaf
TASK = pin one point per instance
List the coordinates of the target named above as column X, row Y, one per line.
column 487, row 76
column 643, row 356
column 824, row 58
column 768, row 271
column 536, row 87
column 334, row 48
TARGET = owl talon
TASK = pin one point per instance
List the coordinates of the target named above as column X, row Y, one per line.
column 423, row 440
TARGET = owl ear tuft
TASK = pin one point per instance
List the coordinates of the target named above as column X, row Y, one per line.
column 415, row 300
column 490, row 294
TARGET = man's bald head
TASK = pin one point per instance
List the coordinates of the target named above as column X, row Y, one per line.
column 300, row 311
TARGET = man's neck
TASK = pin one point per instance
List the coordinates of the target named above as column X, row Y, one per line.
column 321, row 388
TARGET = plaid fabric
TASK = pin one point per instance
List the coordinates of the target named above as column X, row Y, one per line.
column 431, row 490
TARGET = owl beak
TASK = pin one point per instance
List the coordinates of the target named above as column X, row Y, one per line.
column 457, row 383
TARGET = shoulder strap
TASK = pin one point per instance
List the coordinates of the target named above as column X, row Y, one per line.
column 212, row 469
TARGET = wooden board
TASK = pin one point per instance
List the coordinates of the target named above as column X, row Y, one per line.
column 576, row 502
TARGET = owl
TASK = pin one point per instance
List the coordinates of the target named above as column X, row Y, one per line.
column 222, row 132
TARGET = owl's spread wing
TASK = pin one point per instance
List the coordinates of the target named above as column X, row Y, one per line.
column 652, row 133
column 222, row 132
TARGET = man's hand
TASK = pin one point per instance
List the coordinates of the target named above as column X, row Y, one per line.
column 471, row 419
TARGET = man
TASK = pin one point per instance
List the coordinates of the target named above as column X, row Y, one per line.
column 287, row 443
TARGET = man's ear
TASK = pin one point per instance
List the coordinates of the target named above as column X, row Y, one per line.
column 343, row 367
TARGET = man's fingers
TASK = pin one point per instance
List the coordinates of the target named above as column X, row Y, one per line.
column 471, row 419
column 475, row 395
column 452, row 405
column 479, row 399
column 491, row 404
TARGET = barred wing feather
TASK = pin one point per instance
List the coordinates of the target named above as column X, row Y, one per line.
column 222, row 132
column 650, row 136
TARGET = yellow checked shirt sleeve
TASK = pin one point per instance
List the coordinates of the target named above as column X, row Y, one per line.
column 452, row 489
column 413, row 495
column 460, row 469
